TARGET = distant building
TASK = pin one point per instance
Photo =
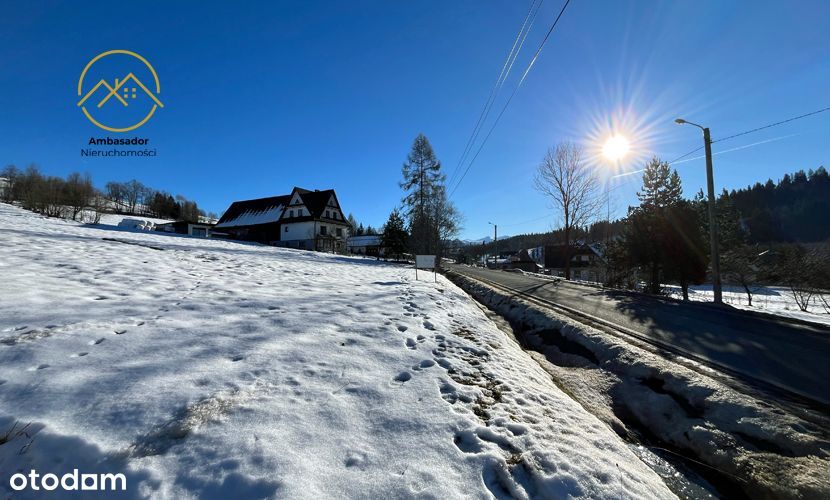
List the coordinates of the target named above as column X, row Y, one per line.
column 519, row 260
column 587, row 260
column 312, row 220
column 4, row 186
column 365, row 245
column 185, row 227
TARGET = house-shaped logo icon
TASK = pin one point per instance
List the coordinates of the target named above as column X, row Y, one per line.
column 123, row 92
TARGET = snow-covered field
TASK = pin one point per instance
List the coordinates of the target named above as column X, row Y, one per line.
column 217, row 369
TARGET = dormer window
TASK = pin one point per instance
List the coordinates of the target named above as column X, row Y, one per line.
column 328, row 215
column 290, row 213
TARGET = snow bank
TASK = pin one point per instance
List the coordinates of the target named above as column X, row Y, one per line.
column 214, row 369
column 118, row 219
column 764, row 449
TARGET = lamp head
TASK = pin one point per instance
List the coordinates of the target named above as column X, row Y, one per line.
column 680, row 121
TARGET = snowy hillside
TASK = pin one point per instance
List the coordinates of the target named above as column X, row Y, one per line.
column 217, row 369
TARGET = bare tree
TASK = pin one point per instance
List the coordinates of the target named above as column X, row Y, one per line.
column 740, row 266
column 133, row 194
column 573, row 187
column 78, row 193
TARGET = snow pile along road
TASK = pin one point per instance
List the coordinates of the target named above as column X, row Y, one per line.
column 218, row 369
column 766, row 448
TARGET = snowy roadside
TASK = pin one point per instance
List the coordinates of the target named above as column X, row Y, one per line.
column 767, row 451
column 203, row 368
column 773, row 300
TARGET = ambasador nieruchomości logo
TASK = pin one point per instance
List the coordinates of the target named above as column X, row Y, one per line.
column 119, row 91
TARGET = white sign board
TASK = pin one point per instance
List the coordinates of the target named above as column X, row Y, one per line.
column 425, row 262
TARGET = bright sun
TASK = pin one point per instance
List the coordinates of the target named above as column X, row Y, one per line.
column 615, row 147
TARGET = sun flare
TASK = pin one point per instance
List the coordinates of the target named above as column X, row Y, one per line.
column 616, row 147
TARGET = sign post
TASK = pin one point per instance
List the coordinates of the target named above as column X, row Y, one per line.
column 425, row 262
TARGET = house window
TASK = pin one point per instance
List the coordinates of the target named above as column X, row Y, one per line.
column 323, row 230
column 328, row 215
column 286, row 229
column 291, row 213
column 339, row 231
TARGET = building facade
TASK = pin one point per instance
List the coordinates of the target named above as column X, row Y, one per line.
column 311, row 220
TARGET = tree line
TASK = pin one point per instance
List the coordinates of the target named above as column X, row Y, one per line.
column 793, row 209
column 77, row 198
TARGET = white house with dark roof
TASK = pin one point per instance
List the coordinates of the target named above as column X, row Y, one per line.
column 303, row 219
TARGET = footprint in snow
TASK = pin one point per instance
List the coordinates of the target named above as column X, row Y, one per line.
column 402, row 328
column 80, row 355
column 428, row 325
column 402, row 377
column 96, row 342
column 120, row 331
column 237, row 358
column 410, row 343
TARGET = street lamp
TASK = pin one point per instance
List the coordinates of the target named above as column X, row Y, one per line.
column 495, row 241
column 713, row 224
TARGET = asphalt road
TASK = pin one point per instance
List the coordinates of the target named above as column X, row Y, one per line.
column 789, row 355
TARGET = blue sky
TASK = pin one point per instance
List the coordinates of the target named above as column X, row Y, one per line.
column 331, row 94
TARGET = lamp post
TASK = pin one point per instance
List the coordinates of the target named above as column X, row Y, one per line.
column 495, row 241
column 713, row 223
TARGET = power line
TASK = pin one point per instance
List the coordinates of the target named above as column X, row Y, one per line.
column 519, row 41
column 506, row 104
column 788, row 120
column 773, row 124
column 524, row 221
column 685, row 155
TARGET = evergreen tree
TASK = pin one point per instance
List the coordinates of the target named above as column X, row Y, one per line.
column 684, row 255
column 663, row 233
column 432, row 218
column 661, row 185
column 353, row 222
column 394, row 236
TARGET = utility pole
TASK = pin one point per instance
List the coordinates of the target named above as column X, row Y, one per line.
column 495, row 241
column 713, row 221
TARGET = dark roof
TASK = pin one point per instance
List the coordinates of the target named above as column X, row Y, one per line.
column 238, row 208
column 314, row 201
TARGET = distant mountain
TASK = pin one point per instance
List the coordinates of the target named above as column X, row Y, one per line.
column 486, row 239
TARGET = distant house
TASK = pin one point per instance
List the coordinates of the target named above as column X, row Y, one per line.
column 523, row 261
column 587, row 260
column 312, row 220
column 185, row 227
column 365, row 245
column 4, row 186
